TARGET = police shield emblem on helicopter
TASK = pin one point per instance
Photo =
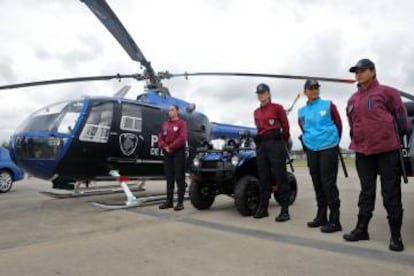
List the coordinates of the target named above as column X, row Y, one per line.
column 128, row 143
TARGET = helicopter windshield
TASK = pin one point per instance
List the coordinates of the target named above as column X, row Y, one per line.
column 59, row 117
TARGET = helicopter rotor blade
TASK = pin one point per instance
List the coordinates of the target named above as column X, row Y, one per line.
column 406, row 95
column 167, row 75
column 69, row 80
column 109, row 19
column 186, row 75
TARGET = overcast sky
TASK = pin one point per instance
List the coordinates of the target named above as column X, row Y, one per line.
column 46, row 39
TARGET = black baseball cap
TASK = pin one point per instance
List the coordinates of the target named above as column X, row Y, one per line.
column 311, row 83
column 362, row 64
column 262, row 87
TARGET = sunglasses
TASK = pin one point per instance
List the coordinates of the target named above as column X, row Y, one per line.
column 313, row 87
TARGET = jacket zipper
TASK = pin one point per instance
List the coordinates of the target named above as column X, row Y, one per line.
column 369, row 103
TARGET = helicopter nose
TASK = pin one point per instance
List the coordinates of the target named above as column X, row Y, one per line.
column 38, row 155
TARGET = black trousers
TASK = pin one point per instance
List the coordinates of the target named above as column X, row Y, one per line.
column 323, row 168
column 271, row 159
column 174, row 167
column 387, row 165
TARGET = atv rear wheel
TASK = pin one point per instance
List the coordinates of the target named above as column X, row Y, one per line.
column 293, row 189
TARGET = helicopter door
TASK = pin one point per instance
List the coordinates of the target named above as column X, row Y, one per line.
column 98, row 125
column 129, row 128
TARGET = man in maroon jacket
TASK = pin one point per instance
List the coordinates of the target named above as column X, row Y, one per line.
column 271, row 154
column 377, row 118
column 172, row 139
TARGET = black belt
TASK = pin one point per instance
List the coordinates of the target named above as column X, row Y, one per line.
column 274, row 135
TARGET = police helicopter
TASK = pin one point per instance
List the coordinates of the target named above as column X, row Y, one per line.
column 86, row 139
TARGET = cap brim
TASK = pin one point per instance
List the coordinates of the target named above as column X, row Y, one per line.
column 260, row 91
column 313, row 85
column 353, row 69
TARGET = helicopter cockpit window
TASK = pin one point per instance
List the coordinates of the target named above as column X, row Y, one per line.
column 68, row 118
column 131, row 119
column 143, row 98
column 98, row 124
column 60, row 117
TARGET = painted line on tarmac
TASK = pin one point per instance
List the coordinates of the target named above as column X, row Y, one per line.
column 373, row 254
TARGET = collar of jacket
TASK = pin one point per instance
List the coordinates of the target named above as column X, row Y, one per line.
column 171, row 120
column 266, row 104
column 374, row 83
column 313, row 102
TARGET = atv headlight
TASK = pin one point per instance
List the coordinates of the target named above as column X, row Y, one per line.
column 235, row 160
column 196, row 162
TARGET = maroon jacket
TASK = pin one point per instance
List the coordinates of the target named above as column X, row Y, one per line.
column 371, row 114
column 173, row 134
column 271, row 117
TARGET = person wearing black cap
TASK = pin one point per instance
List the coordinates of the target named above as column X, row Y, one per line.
column 377, row 120
column 322, row 128
column 271, row 154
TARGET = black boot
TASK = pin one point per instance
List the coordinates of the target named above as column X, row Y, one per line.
column 284, row 215
column 261, row 211
column 170, row 195
column 179, row 206
column 396, row 243
column 333, row 225
column 180, row 200
column 167, row 204
column 360, row 232
column 320, row 219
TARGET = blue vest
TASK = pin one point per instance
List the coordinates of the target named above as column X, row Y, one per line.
column 319, row 129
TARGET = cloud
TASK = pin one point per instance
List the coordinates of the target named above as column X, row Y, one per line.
column 7, row 73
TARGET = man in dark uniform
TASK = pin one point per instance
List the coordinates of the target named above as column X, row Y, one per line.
column 271, row 153
column 172, row 139
column 377, row 118
column 322, row 127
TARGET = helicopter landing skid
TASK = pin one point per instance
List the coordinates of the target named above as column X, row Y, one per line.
column 95, row 191
column 130, row 204
column 131, row 201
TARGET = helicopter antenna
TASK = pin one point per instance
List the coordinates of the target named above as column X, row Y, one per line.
column 105, row 14
column 123, row 91
column 293, row 103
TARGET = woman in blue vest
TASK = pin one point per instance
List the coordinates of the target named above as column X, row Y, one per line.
column 322, row 127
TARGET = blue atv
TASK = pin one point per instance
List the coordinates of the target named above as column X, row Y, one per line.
column 230, row 170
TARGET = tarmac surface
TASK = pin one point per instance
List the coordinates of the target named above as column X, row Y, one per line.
column 41, row 235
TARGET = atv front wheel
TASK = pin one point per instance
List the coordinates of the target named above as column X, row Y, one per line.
column 200, row 195
column 247, row 195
